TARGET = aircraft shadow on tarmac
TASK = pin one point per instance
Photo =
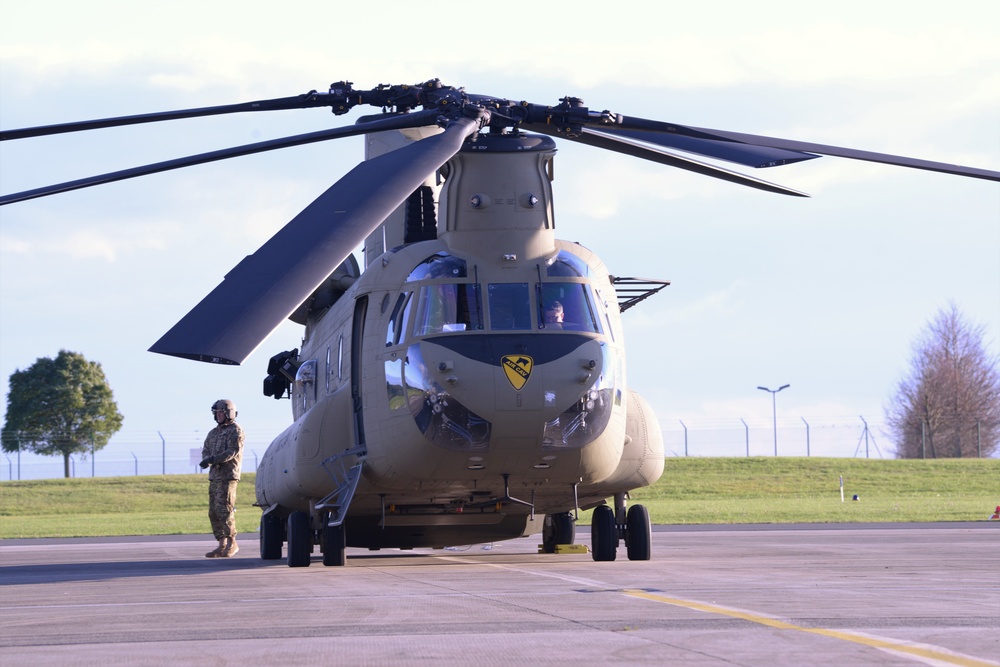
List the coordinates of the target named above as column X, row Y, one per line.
column 14, row 575
column 102, row 571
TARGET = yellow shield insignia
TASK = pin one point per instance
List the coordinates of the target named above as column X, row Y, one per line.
column 517, row 367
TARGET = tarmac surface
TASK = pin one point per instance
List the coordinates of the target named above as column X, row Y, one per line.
column 844, row 595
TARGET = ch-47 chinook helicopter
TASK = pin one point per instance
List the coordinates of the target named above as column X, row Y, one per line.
column 470, row 384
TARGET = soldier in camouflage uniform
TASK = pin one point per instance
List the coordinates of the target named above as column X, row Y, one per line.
column 223, row 451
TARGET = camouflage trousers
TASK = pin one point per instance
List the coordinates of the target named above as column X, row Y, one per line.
column 222, row 507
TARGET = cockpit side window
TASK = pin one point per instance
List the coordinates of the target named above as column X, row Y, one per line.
column 567, row 306
column 399, row 319
column 510, row 308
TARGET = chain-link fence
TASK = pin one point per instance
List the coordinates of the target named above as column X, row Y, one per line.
column 128, row 454
column 171, row 453
column 786, row 437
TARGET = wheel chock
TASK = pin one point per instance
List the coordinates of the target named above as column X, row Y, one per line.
column 572, row 549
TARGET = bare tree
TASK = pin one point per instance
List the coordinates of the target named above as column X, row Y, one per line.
column 949, row 404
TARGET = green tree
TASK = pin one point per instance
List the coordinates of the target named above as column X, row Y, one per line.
column 949, row 403
column 60, row 406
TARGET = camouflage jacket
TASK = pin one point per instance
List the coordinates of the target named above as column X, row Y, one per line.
column 225, row 443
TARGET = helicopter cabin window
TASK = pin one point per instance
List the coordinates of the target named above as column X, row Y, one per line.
column 340, row 359
column 510, row 308
column 445, row 308
column 439, row 265
column 568, row 307
column 305, row 383
column 567, row 265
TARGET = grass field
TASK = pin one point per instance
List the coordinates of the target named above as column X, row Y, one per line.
column 691, row 491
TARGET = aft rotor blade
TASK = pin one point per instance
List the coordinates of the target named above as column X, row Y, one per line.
column 417, row 119
column 854, row 154
column 267, row 286
column 306, row 101
column 618, row 144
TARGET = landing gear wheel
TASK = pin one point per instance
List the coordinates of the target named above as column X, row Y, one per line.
column 638, row 537
column 334, row 545
column 558, row 529
column 604, row 533
column 300, row 540
column 271, row 536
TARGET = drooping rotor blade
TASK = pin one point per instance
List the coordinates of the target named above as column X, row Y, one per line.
column 263, row 289
column 416, row 119
column 854, row 154
column 712, row 143
column 730, row 151
column 309, row 100
column 620, row 144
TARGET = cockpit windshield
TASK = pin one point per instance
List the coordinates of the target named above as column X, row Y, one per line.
column 447, row 307
column 567, row 306
column 510, row 307
column 439, row 299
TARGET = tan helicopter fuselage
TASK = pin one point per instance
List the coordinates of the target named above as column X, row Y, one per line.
column 472, row 414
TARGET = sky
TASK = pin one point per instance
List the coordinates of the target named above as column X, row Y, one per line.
column 825, row 294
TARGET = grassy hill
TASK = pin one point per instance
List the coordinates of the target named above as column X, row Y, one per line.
column 691, row 491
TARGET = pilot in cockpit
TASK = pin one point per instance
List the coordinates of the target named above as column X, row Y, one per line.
column 554, row 316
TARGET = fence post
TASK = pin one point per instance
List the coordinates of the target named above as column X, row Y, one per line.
column 807, row 434
column 747, row 430
column 685, row 437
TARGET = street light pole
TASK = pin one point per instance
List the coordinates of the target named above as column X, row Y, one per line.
column 774, row 410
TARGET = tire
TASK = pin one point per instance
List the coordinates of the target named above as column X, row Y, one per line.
column 638, row 536
column 558, row 528
column 271, row 536
column 334, row 545
column 300, row 541
column 604, row 533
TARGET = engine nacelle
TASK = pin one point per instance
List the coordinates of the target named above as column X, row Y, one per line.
column 642, row 461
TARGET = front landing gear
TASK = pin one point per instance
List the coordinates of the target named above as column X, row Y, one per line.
column 638, row 534
column 608, row 526
column 558, row 529
column 604, row 533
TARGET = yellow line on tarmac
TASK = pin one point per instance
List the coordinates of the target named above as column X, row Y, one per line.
column 916, row 651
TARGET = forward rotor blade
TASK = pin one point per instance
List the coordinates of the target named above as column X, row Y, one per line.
column 706, row 137
column 417, row 119
column 306, row 101
column 267, row 286
column 730, row 151
column 854, row 154
column 619, row 144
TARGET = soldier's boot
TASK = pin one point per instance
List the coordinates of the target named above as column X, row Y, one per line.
column 217, row 551
column 230, row 548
